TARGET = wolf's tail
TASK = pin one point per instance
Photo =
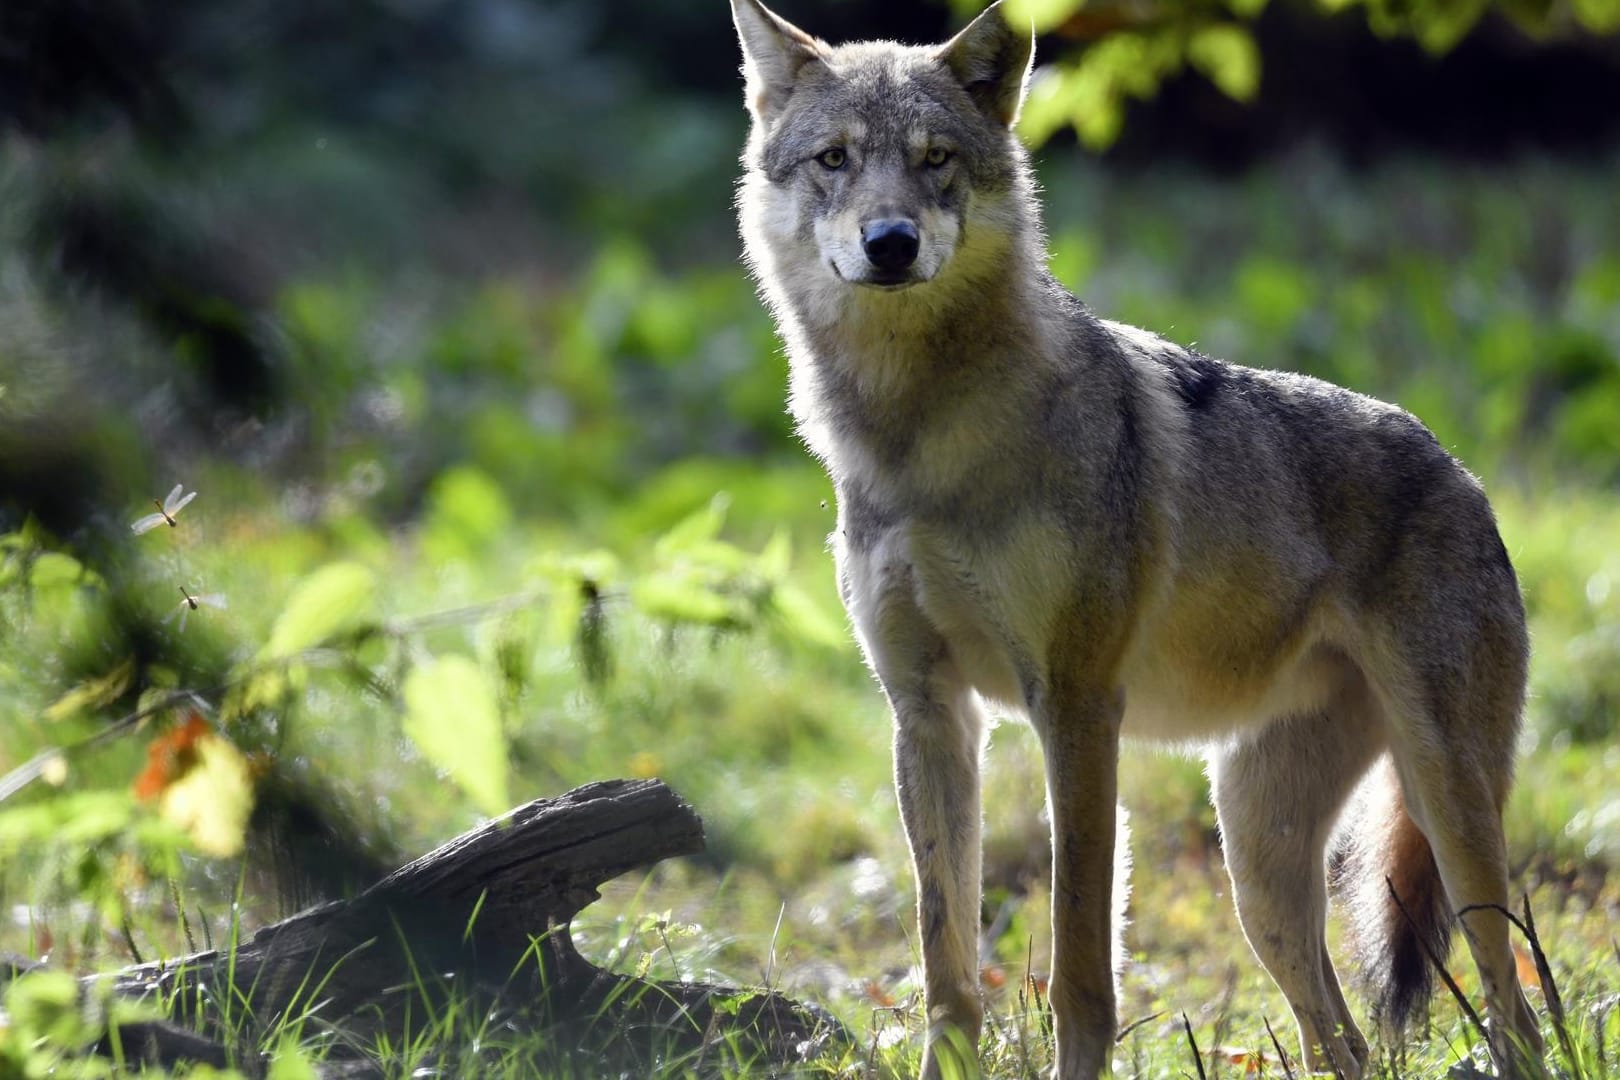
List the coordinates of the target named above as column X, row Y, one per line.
column 1381, row 849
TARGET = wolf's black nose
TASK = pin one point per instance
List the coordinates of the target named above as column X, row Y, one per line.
column 890, row 243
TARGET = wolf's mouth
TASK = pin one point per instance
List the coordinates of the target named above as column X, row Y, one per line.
column 882, row 282
column 890, row 282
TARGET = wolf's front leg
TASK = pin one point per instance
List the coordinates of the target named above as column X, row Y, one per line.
column 938, row 736
column 938, row 731
column 936, row 770
column 1080, row 733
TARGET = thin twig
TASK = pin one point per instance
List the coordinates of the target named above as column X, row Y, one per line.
column 1223, row 1010
column 180, row 914
column 129, row 940
column 770, row 956
column 1198, row 1057
column 469, row 613
column 1282, row 1055
column 1549, row 988
column 1125, row 1031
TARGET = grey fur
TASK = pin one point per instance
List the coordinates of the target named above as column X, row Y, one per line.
column 1118, row 536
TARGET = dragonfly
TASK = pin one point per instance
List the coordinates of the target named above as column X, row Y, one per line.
column 191, row 603
column 166, row 511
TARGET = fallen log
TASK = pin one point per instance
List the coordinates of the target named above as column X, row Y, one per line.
column 482, row 923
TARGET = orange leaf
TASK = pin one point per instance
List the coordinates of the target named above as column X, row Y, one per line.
column 170, row 755
column 1251, row 1060
column 879, row 996
column 1528, row 975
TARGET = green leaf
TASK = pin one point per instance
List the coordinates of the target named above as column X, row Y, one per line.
column 1051, row 104
column 1228, row 55
column 805, row 618
column 695, row 530
column 776, row 557
column 466, row 508
column 1598, row 16
column 334, row 598
column 93, row 693
column 1044, row 15
column 289, row 1063
column 44, row 1006
column 683, row 599
column 452, row 716
column 79, row 820
column 52, row 569
column 725, row 558
column 1439, row 27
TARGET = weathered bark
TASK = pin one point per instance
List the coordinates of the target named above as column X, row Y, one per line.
column 484, row 920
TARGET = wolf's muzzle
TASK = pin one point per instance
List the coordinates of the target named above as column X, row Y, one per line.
column 891, row 245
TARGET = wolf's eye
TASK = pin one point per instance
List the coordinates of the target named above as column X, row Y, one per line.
column 832, row 158
column 936, row 156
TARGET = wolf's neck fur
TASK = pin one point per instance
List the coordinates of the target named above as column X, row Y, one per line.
column 871, row 368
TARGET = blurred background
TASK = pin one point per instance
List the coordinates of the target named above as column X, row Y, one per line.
column 438, row 306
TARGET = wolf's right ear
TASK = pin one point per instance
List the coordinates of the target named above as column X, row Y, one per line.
column 774, row 51
column 991, row 60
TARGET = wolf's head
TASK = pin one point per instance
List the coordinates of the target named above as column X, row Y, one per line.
column 877, row 167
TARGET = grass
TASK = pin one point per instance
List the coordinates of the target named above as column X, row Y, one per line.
column 782, row 746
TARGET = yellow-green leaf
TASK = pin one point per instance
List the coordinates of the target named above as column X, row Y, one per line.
column 452, row 716
column 336, row 597
column 289, row 1063
column 694, row 530
column 1228, row 55
column 1050, row 104
column 45, row 1006
column 213, row 800
column 1598, row 16
column 93, row 693
column 1044, row 15
column 776, row 556
column 668, row 596
column 53, row 569
column 806, row 618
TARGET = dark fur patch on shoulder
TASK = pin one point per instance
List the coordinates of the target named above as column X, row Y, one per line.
column 1196, row 378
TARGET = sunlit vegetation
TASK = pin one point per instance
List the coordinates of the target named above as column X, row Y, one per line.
column 494, row 494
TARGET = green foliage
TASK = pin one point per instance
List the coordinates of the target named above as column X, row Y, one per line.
column 466, row 513
column 331, row 600
column 453, row 718
column 1131, row 50
column 47, row 1024
column 290, row 1063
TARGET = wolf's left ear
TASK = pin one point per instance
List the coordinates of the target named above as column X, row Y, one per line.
column 774, row 52
column 991, row 60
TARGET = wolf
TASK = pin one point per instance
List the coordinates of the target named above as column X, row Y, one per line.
column 1115, row 536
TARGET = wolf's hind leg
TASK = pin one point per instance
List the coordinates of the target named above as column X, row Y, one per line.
column 1452, row 686
column 1453, row 801
column 1277, row 793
